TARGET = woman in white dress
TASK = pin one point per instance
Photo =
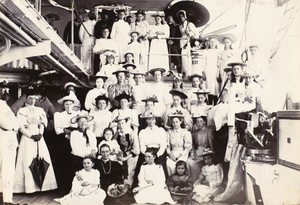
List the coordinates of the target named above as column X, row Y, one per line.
column 95, row 92
column 33, row 121
column 158, row 46
column 119, row 34
column 160, row 90
column 103, row 45
column 211, row 69
column 179, row 142
column 102, row 117
column 178, row 95
column 225, row 56
column 141, row 90
column 151, row 182
column 141, row 25
column 136, row 48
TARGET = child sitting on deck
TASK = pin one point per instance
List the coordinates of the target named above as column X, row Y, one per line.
column 209, row 180
column 85, row 187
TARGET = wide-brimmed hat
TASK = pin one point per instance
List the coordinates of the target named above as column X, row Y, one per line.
column 207, row 151
column 237, row 63
column 194, row 75
column 69, row 84
column 123, row 96
column 110, row 54
column 227, row 69
column 160, row 14
column 177, row 76
column 177, row 113
column 140, row 11
column 30, row 90
column 181, row 12
column 98, row 75
column 213, row 36
column 179, row 92
column 82, row 114
column 129, row 65
column 148, row 114
column 131, row 32
column 198, row 114
column 227, row 36
column 138, row 72
column 71, row 97
column 120, row 70
column 151, row 98
column 201, row 91
column 101, row 97
column 162, row 70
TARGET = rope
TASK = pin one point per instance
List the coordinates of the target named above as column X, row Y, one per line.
column 207, row 25
column 247, row 11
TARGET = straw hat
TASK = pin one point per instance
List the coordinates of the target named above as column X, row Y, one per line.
column 82, row 114
column 237, row 63
column 109, row 53
column 227, row 69
column 131, row 32
column 181, row 12
column 71, row 97
column 138, row 72
column 177, row 113
column 227, row 36
column 69, row 84
column 129, row 65
column 162, row 70
column 140, row 11
column 160, row 14
column 148, row 114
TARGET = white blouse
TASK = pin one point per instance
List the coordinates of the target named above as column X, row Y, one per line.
column 78, row 143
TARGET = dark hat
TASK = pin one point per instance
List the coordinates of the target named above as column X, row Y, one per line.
column 207, row 151
column 227, row 69
column 152, row 99
column 237, row 63
column 120, row 70
column 129, row 52
column 162, row 70
column 200, row 91
column 123, row 96
column 177, row 113
column 4, row 84
column 140, row 11
column 82, row 114
column 53, row 17
column 101, row 97
column 179, row 92
column 129, row 65
column 30, row 90
column 194, row 75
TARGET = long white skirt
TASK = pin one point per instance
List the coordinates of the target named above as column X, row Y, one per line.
column 24, row 181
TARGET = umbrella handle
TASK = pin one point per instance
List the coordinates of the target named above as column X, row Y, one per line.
column 37, row 150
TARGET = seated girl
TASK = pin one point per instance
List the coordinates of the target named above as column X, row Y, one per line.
column 108, row 134
column 85, row 187
column 151, row 182
column 209, row 180
column 180, row 184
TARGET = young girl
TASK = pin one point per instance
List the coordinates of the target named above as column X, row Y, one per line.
column 108, row 134
column 209, row 180
column 180, row 183
column 108, row 69
column 85, row 187
column 136, row 48
column 197, row 83
column 152, row 187
column 95, row 92
column 200, row 107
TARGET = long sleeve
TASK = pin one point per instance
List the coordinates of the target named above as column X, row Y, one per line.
column 142, row 136
column 81, row 32
column 187, row 142
column 141, row 177
column 136, row 146
column 58, row 126
column 8, row 120
column 113, row 31
column 163, row 142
